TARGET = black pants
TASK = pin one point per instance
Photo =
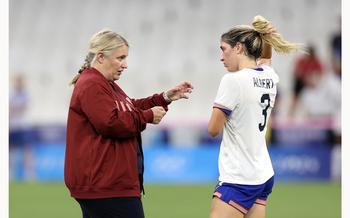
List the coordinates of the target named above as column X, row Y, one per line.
column 126, row 207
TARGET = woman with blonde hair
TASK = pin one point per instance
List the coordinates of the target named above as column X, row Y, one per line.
column 242, row 108
column 104, row 160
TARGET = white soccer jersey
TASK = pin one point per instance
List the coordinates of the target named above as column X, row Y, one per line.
column 247, row 97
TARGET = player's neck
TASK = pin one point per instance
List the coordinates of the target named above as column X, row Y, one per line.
column 247, row 63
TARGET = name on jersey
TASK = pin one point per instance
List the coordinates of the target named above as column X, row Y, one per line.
column 263, row 83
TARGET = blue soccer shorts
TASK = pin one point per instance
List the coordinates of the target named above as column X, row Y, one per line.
column 242, row 197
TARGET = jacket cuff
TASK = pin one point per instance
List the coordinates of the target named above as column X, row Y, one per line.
column 164, row 103
column 163, row 100
column 148, row 114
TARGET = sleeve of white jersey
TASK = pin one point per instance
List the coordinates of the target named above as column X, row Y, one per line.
column 228, row 94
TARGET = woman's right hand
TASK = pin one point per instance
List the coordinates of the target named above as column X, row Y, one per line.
column 158, row 114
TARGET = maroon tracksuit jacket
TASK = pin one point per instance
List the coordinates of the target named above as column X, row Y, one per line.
column 103, row 134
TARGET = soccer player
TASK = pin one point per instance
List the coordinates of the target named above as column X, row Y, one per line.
column 104, row 159
column 241, row 110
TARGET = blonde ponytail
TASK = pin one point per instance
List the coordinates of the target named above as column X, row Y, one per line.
column 280, row 45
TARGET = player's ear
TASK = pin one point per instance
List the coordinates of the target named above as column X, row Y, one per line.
column 239, row 48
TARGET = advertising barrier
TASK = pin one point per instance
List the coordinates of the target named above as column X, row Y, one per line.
column 45, row 162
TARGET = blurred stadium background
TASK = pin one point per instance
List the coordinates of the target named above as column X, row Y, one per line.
column 172, row 41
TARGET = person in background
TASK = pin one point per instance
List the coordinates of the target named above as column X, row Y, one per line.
column 242, row 108
column 19, row 137
column 18, row 103
column 336, row 53
column 308, row 67
column 104, row 159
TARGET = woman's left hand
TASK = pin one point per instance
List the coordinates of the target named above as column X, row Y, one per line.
column 179, row 91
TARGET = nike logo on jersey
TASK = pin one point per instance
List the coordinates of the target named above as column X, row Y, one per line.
column 263, row 83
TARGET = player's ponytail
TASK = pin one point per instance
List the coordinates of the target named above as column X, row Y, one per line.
column 280, row 45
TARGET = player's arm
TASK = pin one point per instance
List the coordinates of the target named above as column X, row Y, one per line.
column 216, row 122
column 266, row 54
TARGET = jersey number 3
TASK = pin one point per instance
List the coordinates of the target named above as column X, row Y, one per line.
column 264, row 97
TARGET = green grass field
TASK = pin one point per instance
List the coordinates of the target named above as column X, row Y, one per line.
column 297, row 200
